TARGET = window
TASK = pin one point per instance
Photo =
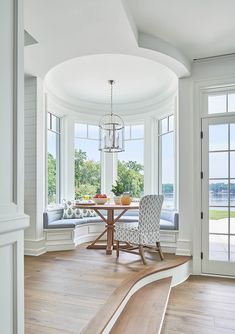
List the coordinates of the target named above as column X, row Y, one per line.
column 87, row 160
column 53, row 158
column 167, row 161
column 220, row 103
column 131, row 161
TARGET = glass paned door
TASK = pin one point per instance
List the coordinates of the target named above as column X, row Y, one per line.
column 218, row 195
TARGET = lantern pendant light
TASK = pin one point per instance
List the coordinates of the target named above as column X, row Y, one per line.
column 111, row 130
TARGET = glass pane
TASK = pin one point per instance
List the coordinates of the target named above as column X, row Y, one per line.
column 131, row 167
column 218, row 220
column 93, row 132
column 137, row 131
column 80, row 130
column 218, row 165
column 48, row 120
column 218, row 193
column 171, row 123
column 87, row 167
column 232, row 220
column 231, row 102
column 218, row 247
column 218, row 137
column 127, row 132
column 58, row 124
column 232, row 193
column 53, row 123
column 51, row 166
column 216, row 104
column 232, row 248
column 232, row 164
column 167, row 169
column 163, row 125
column 232, row 136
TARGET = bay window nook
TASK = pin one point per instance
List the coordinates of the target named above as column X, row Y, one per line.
column 95, row 172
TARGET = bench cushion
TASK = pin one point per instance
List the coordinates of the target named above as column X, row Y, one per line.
column 53, row 219
column 72, row 223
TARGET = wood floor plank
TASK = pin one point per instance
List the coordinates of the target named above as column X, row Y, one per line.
column 201, row 305
column 65, row 290
column 145, row 310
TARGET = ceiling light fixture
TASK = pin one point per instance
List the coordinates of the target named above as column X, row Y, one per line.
column 111, row 130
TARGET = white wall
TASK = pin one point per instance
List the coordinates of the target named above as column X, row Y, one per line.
column 12, row 217
column 34, row 165
column 213, row 72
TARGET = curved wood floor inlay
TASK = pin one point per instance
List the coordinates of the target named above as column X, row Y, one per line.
column 67, row 291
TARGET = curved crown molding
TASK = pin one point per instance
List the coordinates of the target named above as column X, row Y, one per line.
column 167, row 54
column 124, row 109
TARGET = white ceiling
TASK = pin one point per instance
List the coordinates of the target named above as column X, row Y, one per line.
column 143, row 45
column 86, row 78
column 199, row 28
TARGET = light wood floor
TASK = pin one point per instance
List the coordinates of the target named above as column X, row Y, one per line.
column 201, row 305
column 65, row 290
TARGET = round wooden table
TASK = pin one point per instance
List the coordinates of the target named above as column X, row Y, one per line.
column 110, row 222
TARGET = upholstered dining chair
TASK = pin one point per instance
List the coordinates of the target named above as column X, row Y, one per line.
column 145, row 232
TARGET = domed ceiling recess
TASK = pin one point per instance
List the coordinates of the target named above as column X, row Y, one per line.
column 83, row 83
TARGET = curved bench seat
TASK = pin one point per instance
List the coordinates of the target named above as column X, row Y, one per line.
column 65, row 234
column 52, row 219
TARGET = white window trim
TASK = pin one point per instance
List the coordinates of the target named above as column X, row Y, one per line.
column 59, row 164
column 158, row 165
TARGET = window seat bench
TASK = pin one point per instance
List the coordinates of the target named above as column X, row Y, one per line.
column 63, row 234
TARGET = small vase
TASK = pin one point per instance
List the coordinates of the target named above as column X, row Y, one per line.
column 126, row 199
column 117, row 200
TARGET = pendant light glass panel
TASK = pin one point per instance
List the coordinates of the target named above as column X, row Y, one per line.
column 111, row 134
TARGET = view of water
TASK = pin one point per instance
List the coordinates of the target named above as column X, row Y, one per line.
column 221, row 200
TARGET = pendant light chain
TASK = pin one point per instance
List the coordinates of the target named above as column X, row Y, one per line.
column 111, row 97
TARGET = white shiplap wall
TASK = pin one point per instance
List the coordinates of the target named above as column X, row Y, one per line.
column 34, row 165
column 30, row 120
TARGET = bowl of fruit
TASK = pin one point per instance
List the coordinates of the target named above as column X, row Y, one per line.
column 100, row 199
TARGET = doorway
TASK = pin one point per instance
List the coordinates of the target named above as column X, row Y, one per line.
column 218, row 195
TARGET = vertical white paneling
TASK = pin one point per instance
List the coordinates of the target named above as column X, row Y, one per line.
column 7, row 288
column 30, row 135
column 6, row 102
column 12, row 218
column 34, row 165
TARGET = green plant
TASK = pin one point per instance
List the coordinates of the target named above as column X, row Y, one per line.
column 118, row 189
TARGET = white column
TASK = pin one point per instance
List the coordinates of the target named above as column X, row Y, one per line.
column 109, row 173
column 186, row 169
column 67, row 149
column 150, row 157
column 12, row 217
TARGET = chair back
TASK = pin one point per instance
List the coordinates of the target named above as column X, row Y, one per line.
column 149, row 213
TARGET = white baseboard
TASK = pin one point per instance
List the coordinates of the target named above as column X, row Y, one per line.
column 34, row 247
column 184, row 247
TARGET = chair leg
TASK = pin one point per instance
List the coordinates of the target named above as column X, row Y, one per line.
column 159, row 249
column 117, row 248
column 141, row 250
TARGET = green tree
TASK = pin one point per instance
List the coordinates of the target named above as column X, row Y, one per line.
column 87, row 175
column 51, row 167
column 131, row 175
